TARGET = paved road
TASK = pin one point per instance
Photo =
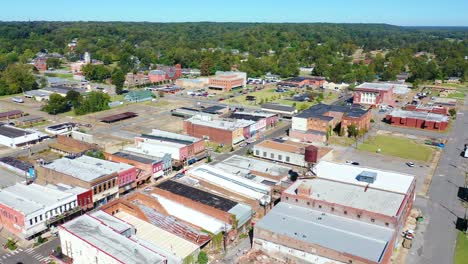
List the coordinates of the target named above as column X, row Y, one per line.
column 30, row 255
column 443, row 206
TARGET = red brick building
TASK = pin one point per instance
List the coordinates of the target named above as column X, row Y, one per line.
column 417, row 119
column 374, row 94
column 441, row 110
column 226, row 81
column 147, row 168
column 349, row 205
column 41, row 64
column 301, row 82
column 312, row 124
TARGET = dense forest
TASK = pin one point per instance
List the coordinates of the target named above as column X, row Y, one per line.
column 276, row 48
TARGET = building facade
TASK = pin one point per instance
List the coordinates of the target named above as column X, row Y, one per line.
column 374, row 94
column 226, row 81
column 415, row 119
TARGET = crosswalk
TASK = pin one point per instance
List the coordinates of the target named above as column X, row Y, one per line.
column 38, row 257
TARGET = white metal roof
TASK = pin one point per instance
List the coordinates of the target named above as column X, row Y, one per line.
column 86, row 168
column 230, row 182
column 341, row 234
column 386, row 180
column 111, row 221
column 102, row 237
column 31, row 198
column 252, row 164
column 221, row 124
column 159, row 237
column 192, row 216
column 355, row 196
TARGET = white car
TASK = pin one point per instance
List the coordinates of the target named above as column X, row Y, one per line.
column 410, row 164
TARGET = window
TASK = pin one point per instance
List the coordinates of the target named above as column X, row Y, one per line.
column 320, row 206
column 40, row 218
column 308, row 203
column 109, row 185
column 297, row 200
column 272, row 156
column 113, row 182
column 386, row 224
column 99, row 188
column 345, row 212
column 264, row 154
column 358, row 216
column 280, row 157
column 257, row 152
column 372, row 220
column 104, row 187
column 287, row 158
column 30, row 222
column 287, row 198
column 35, row 219
column 95, row 190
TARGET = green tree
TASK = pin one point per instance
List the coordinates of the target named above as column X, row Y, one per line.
column 202, row 257
column 54, row 63
column 57, row 104
column 118, row 79
column 352, row 130
column 97, row 73
column 93, row 102
column 73, row 98
column 19, row 78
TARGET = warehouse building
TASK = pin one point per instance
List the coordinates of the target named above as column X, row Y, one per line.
column 147, row 207
column 227, row 132
column 14, row 137
column 354, row 215
column 283, row 111
column 261, row 171
column 106, row 179
column 181, row 147
column 29, row 210
column 94, row 238
column 312, row 124
column 242, row 189
column 417, row 119
column 289, row 152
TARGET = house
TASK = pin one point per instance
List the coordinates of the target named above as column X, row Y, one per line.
column 335, row 86
column 453, row 80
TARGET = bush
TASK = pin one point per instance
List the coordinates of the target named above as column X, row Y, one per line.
column 372, row 120
column 452, row 112
column 202, row 257
column 11, row 244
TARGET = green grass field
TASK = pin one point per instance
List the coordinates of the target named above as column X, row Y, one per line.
column 61, row 75
column 265, row 94
column 461, row 250
column 398, row 147
column 457, row 95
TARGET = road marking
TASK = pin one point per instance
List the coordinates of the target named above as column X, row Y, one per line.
column 29, row 250
column 19, row 249
column 441, row 175
column 4, row 257
column 37, row 255
column 8, row 255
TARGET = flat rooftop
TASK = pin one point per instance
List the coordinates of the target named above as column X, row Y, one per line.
column 419, row 115
column 118, row 117
column 320, row 111
column 86, row 168
column 250, row 115
column 13, row 132
column 376, row 86
column 220, row 123
column 170, row 243
column 165, row 136
column 233, row 183
column 16, row 163
column 279, row 107
column 148, row 153
column 104, row 238
column 283, row 145
column 134, row 157
column 197, row 195
column 385, row 180
column 8, row 114
column 341, row 234
column 355, row 196
column 31, row 198
column 255, row 165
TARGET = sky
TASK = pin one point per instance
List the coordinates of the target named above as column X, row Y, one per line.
column 395, row 12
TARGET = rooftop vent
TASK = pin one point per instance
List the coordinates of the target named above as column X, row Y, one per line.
column 367, row 176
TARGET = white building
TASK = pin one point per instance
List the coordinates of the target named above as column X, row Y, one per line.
column 286, row 151
column 335, row 86
column 35, row 207
column 14, row 137
column 97, row 238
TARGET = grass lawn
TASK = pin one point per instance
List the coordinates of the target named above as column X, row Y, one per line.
column 457, row 95
column 461, row 250
column 398, row 147
column 61, row 75
column 265, row 94
column 117, row 97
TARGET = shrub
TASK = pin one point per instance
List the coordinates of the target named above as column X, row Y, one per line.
column 202, row 257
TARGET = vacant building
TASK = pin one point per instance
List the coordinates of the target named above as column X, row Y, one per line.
column 312, row 124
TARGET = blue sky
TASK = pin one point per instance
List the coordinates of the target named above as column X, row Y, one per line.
column 396, row 12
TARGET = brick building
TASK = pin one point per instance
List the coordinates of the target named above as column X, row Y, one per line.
column 69, row 146
column 441, row 110
column 301, row 82
column 171, row 72
column 181, row 147
column 415, row 119
column 105, row 178
column 263, row 120
column 156, row 76
column 147, row 167
column 29, row 210
column 374, row 94
column 227, row 132
column 312, row 124
column 226, row 81
column 289, row 152
column 40, row 64
column 364, row 209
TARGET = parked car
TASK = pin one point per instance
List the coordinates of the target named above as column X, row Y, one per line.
column 352, row 162
column 410, row 164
